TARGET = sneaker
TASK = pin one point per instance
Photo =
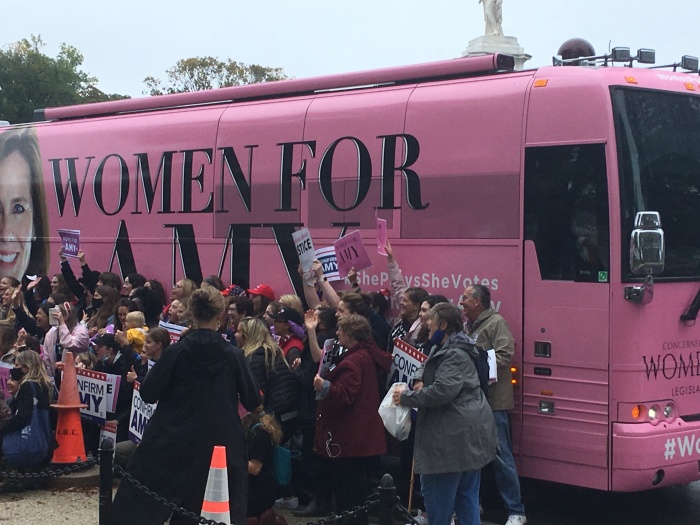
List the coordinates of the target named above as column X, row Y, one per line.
column 516, row 519
column 292, row 503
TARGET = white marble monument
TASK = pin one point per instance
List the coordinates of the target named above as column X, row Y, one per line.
column 493, row 40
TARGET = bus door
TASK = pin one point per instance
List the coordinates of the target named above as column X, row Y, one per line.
column 566, row 315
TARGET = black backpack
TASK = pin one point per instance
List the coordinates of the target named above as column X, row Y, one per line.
column 481, row 362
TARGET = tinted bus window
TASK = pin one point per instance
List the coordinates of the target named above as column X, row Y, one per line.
column 566, row 211
column 658, row 138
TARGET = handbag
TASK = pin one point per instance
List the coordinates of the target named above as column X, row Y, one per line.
column 29, row 446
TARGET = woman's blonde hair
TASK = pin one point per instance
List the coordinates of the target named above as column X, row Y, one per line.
column 11, row 317
column 87, row 358
column 267, row 421
column 292, row 301
column 205, row 304
column 36, row 369
column 256, row 334
column 188, row 288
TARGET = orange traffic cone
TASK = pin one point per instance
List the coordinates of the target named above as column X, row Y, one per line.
column 69, row 430
column 215, row 506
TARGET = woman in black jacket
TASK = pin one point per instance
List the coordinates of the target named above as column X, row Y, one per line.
column 115, row 357
column 197, row 384
column 278, row 384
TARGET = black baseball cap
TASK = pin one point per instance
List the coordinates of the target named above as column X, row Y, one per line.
column 286, row 315
column 107, row 340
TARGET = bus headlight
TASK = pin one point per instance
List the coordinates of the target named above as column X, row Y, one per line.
column 653, row 414
column 669, row 412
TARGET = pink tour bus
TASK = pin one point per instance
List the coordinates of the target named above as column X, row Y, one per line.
column 572, row 193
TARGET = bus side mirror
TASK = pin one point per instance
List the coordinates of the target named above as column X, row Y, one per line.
column 647, row 248
column 647, row 255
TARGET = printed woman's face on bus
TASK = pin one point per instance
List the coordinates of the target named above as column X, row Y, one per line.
column 16, row 220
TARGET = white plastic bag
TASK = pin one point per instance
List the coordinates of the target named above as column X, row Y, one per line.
column 397, row 419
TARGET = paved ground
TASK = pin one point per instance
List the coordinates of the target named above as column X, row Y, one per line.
column 78, row 506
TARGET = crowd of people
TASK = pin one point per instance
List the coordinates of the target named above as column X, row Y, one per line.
column 254, row 371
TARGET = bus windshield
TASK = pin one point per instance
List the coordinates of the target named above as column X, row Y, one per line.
column 658, row 147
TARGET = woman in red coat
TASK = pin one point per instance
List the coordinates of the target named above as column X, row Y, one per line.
column 348, row 427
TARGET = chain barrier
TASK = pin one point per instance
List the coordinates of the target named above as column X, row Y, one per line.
column 372, row 500
column 404, row 512
column 49, row 473
column 160, row 499
column 356, row 512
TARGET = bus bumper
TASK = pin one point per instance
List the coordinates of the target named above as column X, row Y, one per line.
column 646, row 456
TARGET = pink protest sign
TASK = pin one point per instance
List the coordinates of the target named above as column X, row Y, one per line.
column 4, row 376
column 70, row 242
column 381, row 236
column 350, row 252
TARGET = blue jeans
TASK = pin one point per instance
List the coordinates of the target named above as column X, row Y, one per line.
column 454, row 490
column 504, row 466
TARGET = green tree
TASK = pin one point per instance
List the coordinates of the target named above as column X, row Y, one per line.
column 29, row 79
column 199, row 73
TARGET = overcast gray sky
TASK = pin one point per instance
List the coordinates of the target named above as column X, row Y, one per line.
column 125, row 41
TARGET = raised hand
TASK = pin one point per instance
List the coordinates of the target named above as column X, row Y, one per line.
column 389, row 252
column 310, row 320
column 16, row 297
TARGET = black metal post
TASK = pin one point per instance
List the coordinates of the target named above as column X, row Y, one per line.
column 387, row 500
column 106, row 455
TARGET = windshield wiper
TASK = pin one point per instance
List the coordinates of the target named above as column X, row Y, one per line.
column 691, row 314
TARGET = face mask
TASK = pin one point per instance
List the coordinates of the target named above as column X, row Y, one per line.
column 437, row 338
column 96, row 303
column 16, row 373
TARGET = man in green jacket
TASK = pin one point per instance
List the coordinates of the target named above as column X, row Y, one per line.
column 490, row 331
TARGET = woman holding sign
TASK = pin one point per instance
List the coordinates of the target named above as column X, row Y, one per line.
column 197, row 384
column 455, row 431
